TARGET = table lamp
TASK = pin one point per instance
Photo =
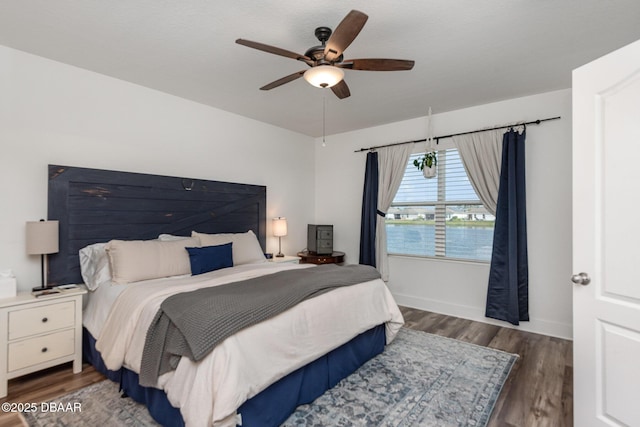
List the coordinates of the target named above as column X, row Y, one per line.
column 279, row 230
column 42, row 239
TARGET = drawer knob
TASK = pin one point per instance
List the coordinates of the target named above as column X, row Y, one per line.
column 44, row 320
column 44, row 349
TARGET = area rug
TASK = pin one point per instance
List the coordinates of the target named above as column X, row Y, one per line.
column 419, row 380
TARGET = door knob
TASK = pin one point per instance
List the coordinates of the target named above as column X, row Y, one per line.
column 581, row 279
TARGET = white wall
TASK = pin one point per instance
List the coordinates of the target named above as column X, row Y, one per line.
column 459, row 288
column 52, row 113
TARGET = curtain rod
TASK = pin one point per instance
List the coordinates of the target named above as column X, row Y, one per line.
column 437, row 138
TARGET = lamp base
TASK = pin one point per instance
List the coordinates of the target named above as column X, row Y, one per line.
column 44, row 286
column 279, row 254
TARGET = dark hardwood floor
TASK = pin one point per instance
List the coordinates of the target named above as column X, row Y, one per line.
column 538, row 392
column 45, row 386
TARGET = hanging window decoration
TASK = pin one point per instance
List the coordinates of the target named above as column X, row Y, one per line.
column 428, row 163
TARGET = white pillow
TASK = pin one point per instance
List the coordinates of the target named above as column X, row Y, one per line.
column 245, row 249
column 171, row 237
column 136, row 260
column 94, row 265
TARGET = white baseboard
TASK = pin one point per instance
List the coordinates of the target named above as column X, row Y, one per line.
column 538, row 326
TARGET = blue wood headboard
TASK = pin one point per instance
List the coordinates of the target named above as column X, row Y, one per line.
column 96, row 205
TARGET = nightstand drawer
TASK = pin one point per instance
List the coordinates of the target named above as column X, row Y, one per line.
column 36, row 350
column 37, row 320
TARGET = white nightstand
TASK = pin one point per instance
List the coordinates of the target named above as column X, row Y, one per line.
column 37, row 333
column 286, row 258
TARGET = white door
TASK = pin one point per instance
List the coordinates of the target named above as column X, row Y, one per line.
column 606, row 240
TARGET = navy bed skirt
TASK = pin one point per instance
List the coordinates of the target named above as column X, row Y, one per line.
column 273, row 405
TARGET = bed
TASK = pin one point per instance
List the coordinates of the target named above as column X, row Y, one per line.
column 258, row 375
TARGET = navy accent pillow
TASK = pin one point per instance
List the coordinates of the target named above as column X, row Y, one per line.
column 210, row 258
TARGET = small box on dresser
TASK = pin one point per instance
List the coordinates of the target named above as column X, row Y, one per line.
column 37, row 333
column 8, row 287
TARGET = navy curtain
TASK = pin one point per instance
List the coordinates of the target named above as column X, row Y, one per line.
column 369, row 211
column 508, row 293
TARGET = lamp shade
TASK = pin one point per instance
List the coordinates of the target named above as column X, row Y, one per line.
column 42, row 237
column 324, row 75
column 279, row 226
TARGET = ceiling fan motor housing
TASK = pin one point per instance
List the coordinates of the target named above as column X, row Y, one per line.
column 316, row 53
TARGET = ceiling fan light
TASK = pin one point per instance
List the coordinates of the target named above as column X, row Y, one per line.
column 324, row 75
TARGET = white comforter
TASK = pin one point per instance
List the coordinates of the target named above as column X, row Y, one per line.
column 210, row 391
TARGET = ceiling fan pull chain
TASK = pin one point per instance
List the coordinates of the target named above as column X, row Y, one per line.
column 324, row 107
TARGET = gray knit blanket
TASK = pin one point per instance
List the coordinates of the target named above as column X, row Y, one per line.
column 191, row 324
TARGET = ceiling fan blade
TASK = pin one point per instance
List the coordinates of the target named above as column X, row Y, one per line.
column 286, row 79
column 376, row 64
column 344, row 34
column 275, row 50
column 341, row 90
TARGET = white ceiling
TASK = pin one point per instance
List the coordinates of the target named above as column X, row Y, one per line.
column 467, row 52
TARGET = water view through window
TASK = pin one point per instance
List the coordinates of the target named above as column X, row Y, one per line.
column 439, row 217
column 463, row 242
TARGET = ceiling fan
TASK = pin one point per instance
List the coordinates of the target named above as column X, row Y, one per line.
column 326, row 61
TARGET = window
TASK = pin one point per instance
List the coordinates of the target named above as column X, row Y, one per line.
column 439, row 217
